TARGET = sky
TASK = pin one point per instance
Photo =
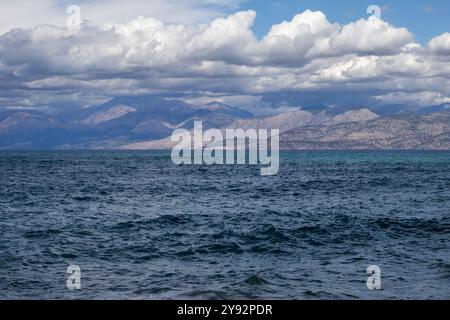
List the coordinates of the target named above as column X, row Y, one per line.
column 426, row 19
column 254, row 53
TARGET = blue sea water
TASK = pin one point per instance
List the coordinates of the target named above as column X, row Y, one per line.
column 140, row 227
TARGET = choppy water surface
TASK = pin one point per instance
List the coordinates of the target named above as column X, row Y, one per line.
column 142, row 228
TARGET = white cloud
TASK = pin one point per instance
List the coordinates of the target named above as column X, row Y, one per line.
column 424, row 98
column 440, row 44
column 26, row 14
column 371, row 36
column 310, row 35
column 307, row 55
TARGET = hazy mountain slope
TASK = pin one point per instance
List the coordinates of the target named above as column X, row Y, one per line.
column 410, row 132
column 221, row 108
column 18, row 120
column 284, row 122
column 36, row 130
column 288, row 121
column 147, row 123
column 121, row 120
column 108, row 115
column 361, row 115
column 439, row 142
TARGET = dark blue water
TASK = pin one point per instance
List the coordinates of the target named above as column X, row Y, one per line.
column 140, row 227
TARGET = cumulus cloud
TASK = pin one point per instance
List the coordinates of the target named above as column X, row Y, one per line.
column 440, row 44
column 310, row 35
column 308, row 55
column 26, row 14
column 424, row 98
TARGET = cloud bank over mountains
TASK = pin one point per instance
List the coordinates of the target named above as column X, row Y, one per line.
column 366, row 61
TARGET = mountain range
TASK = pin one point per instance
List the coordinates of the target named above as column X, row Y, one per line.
column 413, row 132
column 110, row 125
column 145, row 122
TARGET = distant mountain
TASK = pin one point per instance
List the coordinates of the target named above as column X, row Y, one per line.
column 146, row 122
column 24, row 129
column 221, row 108
column 315, row 103
column 433, row 109
column 430, row 131
column 119, row 121
column 108, row 115
column 360, row 115
column 284, row 122
column 20, row 121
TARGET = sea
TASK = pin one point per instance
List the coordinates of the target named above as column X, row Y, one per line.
column 136, row 226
